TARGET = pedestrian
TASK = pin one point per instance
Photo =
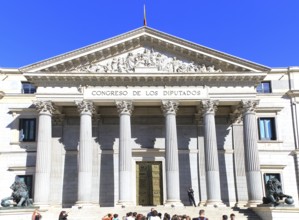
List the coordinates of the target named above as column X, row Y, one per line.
column 36, row 215
column 191, row 196
column 201, row 215
column 224, row 217
column 232, row 216
column 63, row 215
column 115, row 217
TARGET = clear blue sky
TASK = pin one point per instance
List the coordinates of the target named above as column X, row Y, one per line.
column 262, row 31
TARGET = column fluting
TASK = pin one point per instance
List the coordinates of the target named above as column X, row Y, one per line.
column 169, row 109
column 43, row 153
column 85, row 109
column 125, row 109
column 211, row 152
column 252, row 163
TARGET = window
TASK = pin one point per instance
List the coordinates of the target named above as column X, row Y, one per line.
column 264, row 87
column 27, row 179
column 27, row 129
column 266, row 128
column 28, row 88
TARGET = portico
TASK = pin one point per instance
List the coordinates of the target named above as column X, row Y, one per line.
column 147, row 100
column 118, row 114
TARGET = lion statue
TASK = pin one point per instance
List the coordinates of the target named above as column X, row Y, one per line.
column 274, row 193
column 19, row 195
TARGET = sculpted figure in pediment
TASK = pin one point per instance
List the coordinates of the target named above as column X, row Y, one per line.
column 147, row 58
column 130, row 63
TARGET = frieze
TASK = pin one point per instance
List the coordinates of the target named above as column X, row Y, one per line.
column 149, row 59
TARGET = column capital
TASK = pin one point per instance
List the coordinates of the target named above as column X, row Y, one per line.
column 209, row 106
column 85, row 107
column 46, row 107
column 249, row 106
column 169, row 106
column 124, row 107
column 236, row 118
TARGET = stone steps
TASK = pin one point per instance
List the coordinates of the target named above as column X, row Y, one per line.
column 96, row 213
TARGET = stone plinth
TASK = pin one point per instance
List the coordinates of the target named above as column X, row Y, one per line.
column 280, row 212
column 18, row 213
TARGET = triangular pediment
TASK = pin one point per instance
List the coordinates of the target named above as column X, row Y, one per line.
column 144, row 50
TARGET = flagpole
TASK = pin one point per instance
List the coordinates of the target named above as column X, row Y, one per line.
column 144, row 16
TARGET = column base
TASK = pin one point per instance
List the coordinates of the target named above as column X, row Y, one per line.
column 241, row 204
column 42, row 206
column 84, row 204
column 202, row 203
column 214, row 203
column 124, row 204
column 173, row 203
column 253, row 203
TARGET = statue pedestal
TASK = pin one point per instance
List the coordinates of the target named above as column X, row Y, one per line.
column 280, row 212
column 20, row 213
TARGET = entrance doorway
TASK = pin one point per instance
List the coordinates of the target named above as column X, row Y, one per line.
column 149, row 183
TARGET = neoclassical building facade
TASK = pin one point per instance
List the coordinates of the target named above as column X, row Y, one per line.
column 139, row 118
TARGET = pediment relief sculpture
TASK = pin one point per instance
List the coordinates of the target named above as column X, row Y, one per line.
column 148, row 59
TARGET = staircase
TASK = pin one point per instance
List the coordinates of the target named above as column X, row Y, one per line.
column 96, row 213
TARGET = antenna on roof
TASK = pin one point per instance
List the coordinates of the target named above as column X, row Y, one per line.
column 144, row 16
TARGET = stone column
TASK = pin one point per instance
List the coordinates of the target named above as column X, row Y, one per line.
column 211, row 153
column 125, row 109
column 201, row 161
column 43, row 153
column 86, row 109
column 252, row 163
column 57, row 161
column 171, row 153
column 239, row 158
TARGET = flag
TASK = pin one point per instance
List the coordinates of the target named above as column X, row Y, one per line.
column 144, row 16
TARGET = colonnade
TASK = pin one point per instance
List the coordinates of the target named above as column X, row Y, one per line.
column 125, row 109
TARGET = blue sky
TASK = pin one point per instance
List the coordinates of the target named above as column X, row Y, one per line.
column 262, row 31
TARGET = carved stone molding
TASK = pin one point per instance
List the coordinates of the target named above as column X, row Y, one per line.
column 209, row 106
column 249, row 106
column 124, row 107
column 169, row 107
column 44, row 107
column 85, row 107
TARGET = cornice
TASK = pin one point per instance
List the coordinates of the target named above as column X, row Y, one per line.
column 274, row 109
column 2, row 94
column 134, row 39
column 208, row 50
column 293, row 93
column 83, row 50
column 144, row 79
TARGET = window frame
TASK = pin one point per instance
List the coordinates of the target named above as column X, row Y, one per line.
column 22, row 121
column 272, row 169
column 273, row 128
column 262, row 90
column 30, row 90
